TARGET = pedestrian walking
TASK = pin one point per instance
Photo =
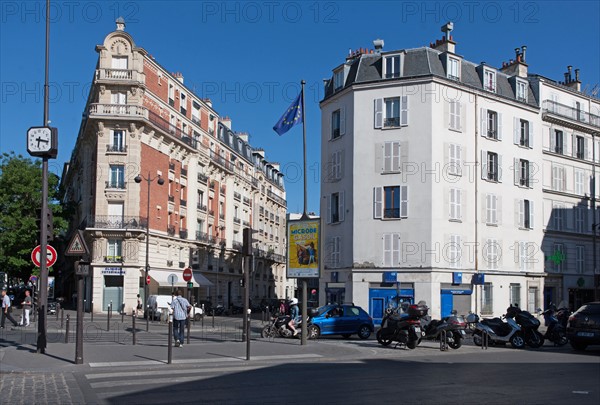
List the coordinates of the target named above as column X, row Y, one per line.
column 26, row 304
column 6, row 309
column 181, row 308
column 138, row 308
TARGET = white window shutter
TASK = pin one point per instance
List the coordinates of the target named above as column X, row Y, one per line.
column 379, row 152
column 498, row 205
column 483, row 121
column 377, row 202
column 395, row 249
column 516, row 130
column 448, row 152
column 552, row 140
column 500, row 168
column 403, row 201
column 485, row 198
column 516, row 171
column 484, row 164
column 404, row 110
column 565, row 143
column 331, row 167
column 459, row 116
column 530, row 134
column 396, row 151
column 499, row 126
column 341, row 159
column 458, row 151
column 403, row 154
column 342, row 121
column 387, row 249
column 517, row 213
column 521, row 213
column 378, row 113
column 452, row 114
column 387, row 156
column 449, row 202
column 531, row 214
column 588, row 149
column 462, row 204
column 328, row 202
column 341, row 206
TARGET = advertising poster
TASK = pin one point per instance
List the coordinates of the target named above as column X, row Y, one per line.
column 303, row 249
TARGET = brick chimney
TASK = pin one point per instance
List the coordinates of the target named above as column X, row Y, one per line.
column 569, row 81
column 226, row 121
column 243, row 136
column 446, row 44
column 178, row 76
column 518, row 66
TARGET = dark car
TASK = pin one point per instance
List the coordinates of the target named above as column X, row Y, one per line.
column 342, row 320
column 584, row 326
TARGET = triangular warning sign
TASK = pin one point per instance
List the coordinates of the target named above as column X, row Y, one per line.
column 77, row 246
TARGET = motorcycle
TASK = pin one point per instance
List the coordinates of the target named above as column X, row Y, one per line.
column 279, row 326
column 453, row 326
column 556, row 320
column 404, row 328
column 498, row 332
column 529, row 326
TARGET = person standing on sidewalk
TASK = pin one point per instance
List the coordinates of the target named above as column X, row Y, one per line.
column 6, row 309
column 26, row 308
column 180, row 307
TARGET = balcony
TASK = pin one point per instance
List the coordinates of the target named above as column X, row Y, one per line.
column 116, row 185
column 247, row 201
column 211, row 213
column 276, row 198
column 221, row 161
column 223, row 190
column 201, row 236
column 570, row 117
column 237, row 196
column 181, row 265
column 183, row 233
column 212, row 185
column 184, row 172
column 172, row 167
column 391, row 122
column 183, row 203
column 237, row 246
column 113, row 259
column 169, row 263
column 117, row 75
column 222, row 216
column 116, row 148
column 236, row 220
column 201, row 207
column 119, row 110
column 246, row 224
column 171, row 198
column 171, row 230
column 171, row 129
column 115, row 222
column 202, row 178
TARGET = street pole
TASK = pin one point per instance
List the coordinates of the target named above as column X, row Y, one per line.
column 594, row 223
column 79, row 331
column 43, row 295
column 304, row 330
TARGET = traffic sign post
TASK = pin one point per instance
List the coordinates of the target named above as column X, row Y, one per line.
column 187, row 274
column 50, row 253
column 172, row 279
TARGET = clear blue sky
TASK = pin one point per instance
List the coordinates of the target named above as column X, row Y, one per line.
column 249, row 57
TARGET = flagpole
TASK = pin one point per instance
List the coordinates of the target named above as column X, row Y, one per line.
column 304, row 332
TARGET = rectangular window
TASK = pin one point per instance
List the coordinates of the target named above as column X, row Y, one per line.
column 558, row 257
column 119, row 62
column 515, row 294
column 492, row 124
column 336, row 166
column 336, row 208
column 526, row 214
column 525, row 250
column 183, row 103
column 455, row 160
column 579, row 147
column 116, row 176
column 454, row 252
column 455, row 115
column 558, row 212
column 558, row 141
column 338, row 79
column 492, row 166
column 558, row 178
column 521, row 91
column 523, row 172
column 390, row 202
column 579, row 182
column 335, row 124
column 455, row 204
column 453, row 69
column 580, row 219
column 489, row 77
column 195, row 113
column 579, row 258
column 491, row 251
column 391, row 157
column 392, row 112
column 118, row 141
column 487, row 302
column 391, row 249
column 392, row 67
column 113, row 251
column 171, row 95
column 491, row 209
column 335, row 252
column 523, row 133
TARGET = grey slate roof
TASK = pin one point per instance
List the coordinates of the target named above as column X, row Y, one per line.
column 420, row 62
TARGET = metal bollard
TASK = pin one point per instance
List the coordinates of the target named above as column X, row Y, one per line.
column 57, row 309
column 170, row 345
column 203, row 313
column 147, row 317
column 443, row 341
column 62, row 317
column 485, row 338
column 188, row 330
column 67, row 331
column 213, row 316
column 92, row 310
column 123, row 313
column 133, row 326
column 108, row 317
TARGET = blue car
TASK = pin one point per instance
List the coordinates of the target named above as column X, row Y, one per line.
column 342, row 320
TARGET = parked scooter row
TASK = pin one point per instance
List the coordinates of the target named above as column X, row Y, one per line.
column 556, row 320
column 450, row 328
column 402, row 325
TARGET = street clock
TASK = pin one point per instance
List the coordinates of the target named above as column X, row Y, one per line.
column 42, row 141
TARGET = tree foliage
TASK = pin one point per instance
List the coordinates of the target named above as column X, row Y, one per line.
column 20, row 200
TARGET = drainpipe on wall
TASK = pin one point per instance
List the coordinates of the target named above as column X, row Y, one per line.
column 476, row 211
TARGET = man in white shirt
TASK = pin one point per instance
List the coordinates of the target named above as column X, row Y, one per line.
column 5, row 309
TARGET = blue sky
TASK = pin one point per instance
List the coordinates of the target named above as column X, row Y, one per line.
column 249, row 57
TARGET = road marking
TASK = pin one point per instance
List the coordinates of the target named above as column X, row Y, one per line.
column 581, row 392
column 172, row 372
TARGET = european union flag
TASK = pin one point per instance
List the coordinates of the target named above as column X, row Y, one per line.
column 292, row 117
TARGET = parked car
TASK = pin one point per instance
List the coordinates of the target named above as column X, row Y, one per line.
column 342, row 320
column 584, row 326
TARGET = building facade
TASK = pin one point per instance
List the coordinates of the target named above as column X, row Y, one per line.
column 436, row 181
column 151, row 156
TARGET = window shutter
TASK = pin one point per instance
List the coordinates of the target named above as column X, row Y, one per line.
column 396, row 150
column 485, row 198
column 459, row 119
column 565, row 143
column 341, row 158
column 462, row 204
column 377, row 202
column 483, row 121
column 449, row 202
column 452, row 114
column 378, row 113
column 342, row 121
column 395, row 249
column 404, row 110
column 530, row 144
column 484, row 164
column 331, row 168
column 379, row 152
column 498, row 208
column 403, row 201
column 341, row 206
column 521, row 213
column 387, row 249
column 588, row 150
column 459, row 161
column 531, row 214
column 387, row 156
column 499, row 126
column 517, row 213
column 448, row 152
column 516, row 130
column 403, row 154
column 552, row 140
column 500, row 168
column 516, row 171
column 328, row 202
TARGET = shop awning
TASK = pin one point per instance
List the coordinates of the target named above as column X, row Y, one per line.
column 162, row 278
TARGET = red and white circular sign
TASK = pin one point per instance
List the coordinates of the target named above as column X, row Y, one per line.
column 187, row 274
column 50, row 252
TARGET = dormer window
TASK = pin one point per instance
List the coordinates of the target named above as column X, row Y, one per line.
column 392, row 67
column 338, row 79
column 453, row 69
column 489, row 80
column 521, row 91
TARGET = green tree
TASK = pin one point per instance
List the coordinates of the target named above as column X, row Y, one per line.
column 20, row 200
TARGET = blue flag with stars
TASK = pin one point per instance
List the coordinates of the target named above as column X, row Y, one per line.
column 292, row 117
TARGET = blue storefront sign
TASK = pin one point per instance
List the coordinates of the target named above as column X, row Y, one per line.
column 390, row 277
column 479, row 279
column 457, row 277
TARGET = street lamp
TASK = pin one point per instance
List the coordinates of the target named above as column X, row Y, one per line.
column 138, row 179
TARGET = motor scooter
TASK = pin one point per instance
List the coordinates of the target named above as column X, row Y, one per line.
column 452, row 327
column 496, row 331
column 403, row 328
column 555, row 320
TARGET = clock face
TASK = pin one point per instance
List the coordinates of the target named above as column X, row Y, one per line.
column 39, row 140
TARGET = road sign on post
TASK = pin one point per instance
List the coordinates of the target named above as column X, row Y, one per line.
column 50, row 253
column 187, row 274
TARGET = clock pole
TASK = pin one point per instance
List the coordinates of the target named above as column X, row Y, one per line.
column 43, row 285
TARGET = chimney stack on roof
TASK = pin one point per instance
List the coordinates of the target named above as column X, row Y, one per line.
column 226, row 121
column 178, row 76
column 378, row 44
column 569, row 82
column 446, row 44
column 120, row 24
column 517, row 66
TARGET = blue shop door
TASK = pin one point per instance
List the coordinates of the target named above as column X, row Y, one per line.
column 377, row 308
column 447, row 304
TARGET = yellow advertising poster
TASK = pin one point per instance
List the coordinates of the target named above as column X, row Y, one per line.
column 303, row 249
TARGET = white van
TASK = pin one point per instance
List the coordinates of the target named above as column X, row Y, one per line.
column 160, row 305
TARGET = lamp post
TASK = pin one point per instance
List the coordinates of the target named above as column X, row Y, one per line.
column 138, row 179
